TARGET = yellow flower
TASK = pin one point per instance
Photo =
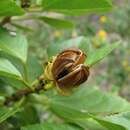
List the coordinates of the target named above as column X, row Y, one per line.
column 57, row 34
column 103, row 19
column 102, row 34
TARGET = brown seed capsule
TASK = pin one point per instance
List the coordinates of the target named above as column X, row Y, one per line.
column 68, row 70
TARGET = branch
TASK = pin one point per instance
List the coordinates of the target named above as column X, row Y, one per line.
column 24, row 92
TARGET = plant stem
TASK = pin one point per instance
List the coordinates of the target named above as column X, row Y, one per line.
column 37, row 86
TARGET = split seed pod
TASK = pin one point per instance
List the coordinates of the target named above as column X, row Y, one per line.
column 68, row 70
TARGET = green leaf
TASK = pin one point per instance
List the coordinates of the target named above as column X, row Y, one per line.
column 9, row 8
column 90, row 103
column 8, row 70
column 79, row 42
column 14, row 45
column 27, row 115
column 76, row 7
column 99, row 54
column 10, row 74
column 109, row 125
column 89, row 124
column 87, row 100
column 57, row 23
column 34, row 69
column 117, row 121
column 112, row 122
column 51, row 126
column 8, row 112
column 17, row 83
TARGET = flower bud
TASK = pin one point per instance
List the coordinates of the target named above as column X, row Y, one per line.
column 68, row 70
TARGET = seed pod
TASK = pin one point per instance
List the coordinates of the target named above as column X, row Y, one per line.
column 68, row 70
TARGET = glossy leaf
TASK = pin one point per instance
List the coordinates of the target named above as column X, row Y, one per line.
column 15, row 45
column 51, row 126
column 17, row 83
column 8, row 70
column 9, row 8
column 11, row 75
column 89, row 124
column 87, row 100
column 76, row 7
column 57, row 23
column 118, row 121
column 34, row 70
column 99, row 54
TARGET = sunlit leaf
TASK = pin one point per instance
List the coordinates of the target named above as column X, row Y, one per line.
column 10, row 8
column 119, row 121
column 76, row 7
column 8, row 70
column 95, row 56
column 57, row 23
column 87, row 100
column 15, row 45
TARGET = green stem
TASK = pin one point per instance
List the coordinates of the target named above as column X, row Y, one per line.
column 26, row 84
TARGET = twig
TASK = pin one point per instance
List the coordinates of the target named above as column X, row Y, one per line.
column 24, row 92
